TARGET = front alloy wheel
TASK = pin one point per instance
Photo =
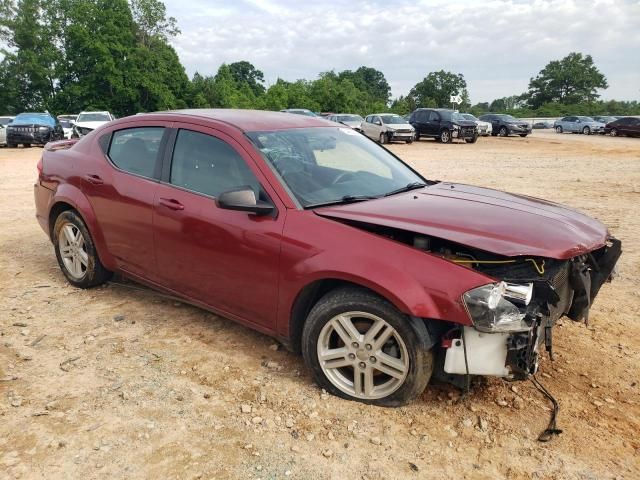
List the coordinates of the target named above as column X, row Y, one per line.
column 614, row 132
column 359, row 347
column 504, row 132
column 558, row 129
column 445, row 136
column 586, row 131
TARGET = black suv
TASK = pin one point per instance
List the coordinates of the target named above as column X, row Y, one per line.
column 443, row 125
column 505, row 125
column 32, row 128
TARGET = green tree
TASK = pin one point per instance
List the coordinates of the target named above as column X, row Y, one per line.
column 572, row 80
column 370, row 81
column 436, row 89
column 151, row 19
column 244, row 72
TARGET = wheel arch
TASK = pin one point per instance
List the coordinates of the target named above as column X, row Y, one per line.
column 311, row 293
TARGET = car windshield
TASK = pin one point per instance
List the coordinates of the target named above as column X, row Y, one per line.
column 349, row 118
column 5, row 120
column 65, row 123
column 333, row 165
column 392, row 119
column 468, row 116
column 33, row 118
column 93, row 117
column 458, row 117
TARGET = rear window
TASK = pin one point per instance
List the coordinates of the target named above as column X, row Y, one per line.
column 135, row 150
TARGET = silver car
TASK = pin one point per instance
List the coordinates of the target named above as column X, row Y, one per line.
column 578, row 124
column 348, row 119
column 388, row 127
column 484, row 128
column 4, row 121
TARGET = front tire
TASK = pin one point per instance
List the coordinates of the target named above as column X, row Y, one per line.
column 473, row 139
column 614, row 132
column 383, row 139
column 445, row 136
column 360, row 347
column 76, row 252
column 503, row 132
column 558, row 129
column 586, row 131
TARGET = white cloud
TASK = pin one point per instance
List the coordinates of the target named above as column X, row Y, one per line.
column 496, row 45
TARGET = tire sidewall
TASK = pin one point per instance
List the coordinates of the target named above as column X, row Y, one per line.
column 335, row 303
column 503, row 132
column 445, row 136
column 92, row 274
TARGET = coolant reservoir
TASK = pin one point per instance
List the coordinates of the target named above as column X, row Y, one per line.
column 486, row 354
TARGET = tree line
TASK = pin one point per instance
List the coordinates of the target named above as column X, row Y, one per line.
column 65, row 56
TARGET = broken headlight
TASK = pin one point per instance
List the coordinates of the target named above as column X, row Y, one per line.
column 494, row 307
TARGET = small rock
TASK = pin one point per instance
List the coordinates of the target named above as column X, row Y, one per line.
column 518, row 403
column 295, row 448
column 514, row 389
column 593, row 385
column 467, row 422
column 20, row 324
column 414, row 432
column 274, row 347
column 327, row 453
column 259, row 468
column 609, row 400
column 256, row 420
column 598, row 403
column 288, row 423
column 119, row 318
column 502, row 402
column 413, row 467
column 483, row 424
column 244, row 408
column 310, row 437
column 248, row 446
column 375, row 440
column 207, row 395
column 16, row 401
column 313, row 414
column 179, row 397
column 330, row 436
column 287, row 473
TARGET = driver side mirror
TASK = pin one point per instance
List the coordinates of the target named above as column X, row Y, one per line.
column 243, row 199
column 378, row 122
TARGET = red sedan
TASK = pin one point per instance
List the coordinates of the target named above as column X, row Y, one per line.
column 308, row 231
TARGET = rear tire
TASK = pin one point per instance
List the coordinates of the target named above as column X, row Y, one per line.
column 76, row 252
column 614, row 132
column 337, row 328
column 503, row 132
column 383, row 139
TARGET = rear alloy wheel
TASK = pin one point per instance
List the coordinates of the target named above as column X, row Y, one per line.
column 445, row 136
column 558, row 129
column 586, row 131
column 614, row 132
column 383, row 139
column 76, row 252
column 503, row 132
column 359, row 347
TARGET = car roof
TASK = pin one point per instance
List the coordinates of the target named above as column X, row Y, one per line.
column 245, row 120
column 96, row 111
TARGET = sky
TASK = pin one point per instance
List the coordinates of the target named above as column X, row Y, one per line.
column 498, row 45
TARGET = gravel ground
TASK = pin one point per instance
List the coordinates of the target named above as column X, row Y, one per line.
column 119, row 382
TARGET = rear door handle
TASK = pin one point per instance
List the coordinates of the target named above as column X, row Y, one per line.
column 94, row 179
column 171, row 203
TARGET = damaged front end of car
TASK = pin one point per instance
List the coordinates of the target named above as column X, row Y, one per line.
column 514, row 316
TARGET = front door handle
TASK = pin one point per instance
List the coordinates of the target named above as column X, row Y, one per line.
column 171, row 203
column 94, row 179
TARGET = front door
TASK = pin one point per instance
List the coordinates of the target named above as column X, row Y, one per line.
column 433, row 124
column 226, row 259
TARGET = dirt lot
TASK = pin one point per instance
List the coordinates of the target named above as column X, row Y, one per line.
column 122, row 383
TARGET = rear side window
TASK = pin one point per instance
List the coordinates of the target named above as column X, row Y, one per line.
column 135, row 150
column 205, row 164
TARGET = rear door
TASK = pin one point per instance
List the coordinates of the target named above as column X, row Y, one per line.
column 121, row 191
column 433, row 123
column 226, row 259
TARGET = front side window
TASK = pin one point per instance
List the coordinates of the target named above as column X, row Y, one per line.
column 205, row 164
column 332, row 164
column 135, row 150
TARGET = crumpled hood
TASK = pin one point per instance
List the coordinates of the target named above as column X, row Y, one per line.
column 490, row 220
column 91, row 125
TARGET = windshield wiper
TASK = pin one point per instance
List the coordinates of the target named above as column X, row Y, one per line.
column 343, row 200
column 406, row 188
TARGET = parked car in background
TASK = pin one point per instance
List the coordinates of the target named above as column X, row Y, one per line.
column 387, row 127
column 33, row 128
column 89, row 121
column 67, row 127
column 4, row 121
column 627, row 126
column 578, row 124
column 604, row 118
column 484, row 128
column 299, row 111
column 542, row 124
column 443, row 124
column 309, row 232
column 348, row 119
column 505, row 125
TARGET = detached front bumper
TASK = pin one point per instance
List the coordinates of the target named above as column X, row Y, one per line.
column 570, row 291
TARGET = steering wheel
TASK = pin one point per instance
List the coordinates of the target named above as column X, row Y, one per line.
column 342, row 176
